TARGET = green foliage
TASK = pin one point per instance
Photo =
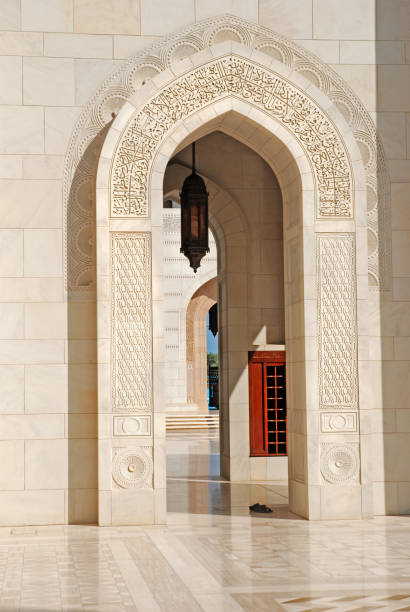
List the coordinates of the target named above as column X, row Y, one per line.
column 213, row 359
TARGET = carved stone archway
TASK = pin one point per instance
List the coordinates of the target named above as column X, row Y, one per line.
column 320, row 170
column 199, row 43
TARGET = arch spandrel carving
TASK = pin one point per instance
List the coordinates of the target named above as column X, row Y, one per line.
column 122, row 84
column 232, row 76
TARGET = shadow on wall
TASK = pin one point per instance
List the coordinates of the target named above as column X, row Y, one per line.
column 390, row 397
column 82, row 420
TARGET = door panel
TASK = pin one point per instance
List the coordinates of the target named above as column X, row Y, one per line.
column 267, row 403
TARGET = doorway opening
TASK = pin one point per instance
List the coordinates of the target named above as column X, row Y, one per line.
column 192, row 436
column 212, row 358
column 238, row 311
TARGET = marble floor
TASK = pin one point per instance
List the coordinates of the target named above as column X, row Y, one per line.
column 212, row 556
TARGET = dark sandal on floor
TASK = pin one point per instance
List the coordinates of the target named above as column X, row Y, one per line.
column 260, row 508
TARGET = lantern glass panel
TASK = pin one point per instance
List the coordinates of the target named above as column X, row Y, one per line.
column 184, row 224
column 195, row 222
column 203, row 224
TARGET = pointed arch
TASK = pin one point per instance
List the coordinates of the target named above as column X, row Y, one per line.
column 199, row 40
column 315, row 157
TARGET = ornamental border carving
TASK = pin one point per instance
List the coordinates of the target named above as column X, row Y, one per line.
column 89, row 132
column 246, row 80
column 338, row 422
column 132, row 425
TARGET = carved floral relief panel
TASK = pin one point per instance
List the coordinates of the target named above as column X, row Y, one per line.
column 131, row 322
column 337, row 329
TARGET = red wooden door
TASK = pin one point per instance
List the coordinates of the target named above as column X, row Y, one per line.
column 267, row 403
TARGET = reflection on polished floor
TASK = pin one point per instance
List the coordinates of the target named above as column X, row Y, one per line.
column 195, row 486
column 212, row 556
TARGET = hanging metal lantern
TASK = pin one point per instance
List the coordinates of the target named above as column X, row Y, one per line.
column 194, row 217
column 213, row 319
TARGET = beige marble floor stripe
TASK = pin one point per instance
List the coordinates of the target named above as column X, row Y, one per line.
column 219, row 602
column 189, row 569
column 140, row 592
column 205, row 589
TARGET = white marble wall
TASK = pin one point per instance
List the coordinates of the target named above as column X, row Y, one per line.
column 180, row 283
column 54, row 54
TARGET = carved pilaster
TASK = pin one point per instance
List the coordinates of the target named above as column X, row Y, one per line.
column 337, row 329
column 131, row 322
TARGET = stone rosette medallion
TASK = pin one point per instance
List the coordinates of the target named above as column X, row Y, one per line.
column 339, row 463
column 132, row 467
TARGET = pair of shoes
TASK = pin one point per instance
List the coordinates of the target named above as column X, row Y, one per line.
column 260, row 508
